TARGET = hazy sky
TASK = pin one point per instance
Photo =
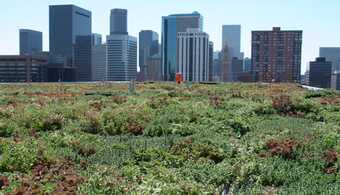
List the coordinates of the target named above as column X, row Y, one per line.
column 319, row 19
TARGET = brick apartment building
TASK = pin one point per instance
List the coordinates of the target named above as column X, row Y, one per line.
column 276, row 55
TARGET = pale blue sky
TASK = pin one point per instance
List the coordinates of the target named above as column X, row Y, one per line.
column 319, row 19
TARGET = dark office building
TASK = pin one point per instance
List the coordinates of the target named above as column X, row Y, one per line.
column 30, row 41
column 320, row 72
column 216, row 69
column 23, row 68
column 59, row 73
column 154, row 68
column 148, row 46
column 217, row 65
column 331, row 54
column 247, row 65
column 118, row 22
column 99, row 62
column 276, row 54
column 70, row 38
column 211, row 61
column 236, row 68
column 335, row 81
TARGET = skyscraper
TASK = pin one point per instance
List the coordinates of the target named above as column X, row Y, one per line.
column 217, row 64
column 331, row 54
column 154, row 68
column 118, row 22
column 232, row 34
column 121, row 49
column 247, row 65
column 225, row 72
column 193, row 55
column 211, row 60
column 320, row 73
column 96, row 39
column 70, row 37
column 171, row 25
column 30, row 41
column 148, row 46
column 236, row 69
column 276, row 54
column 99, row 62
column 216, row 54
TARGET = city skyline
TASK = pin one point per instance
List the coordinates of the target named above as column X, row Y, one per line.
column 320, row 30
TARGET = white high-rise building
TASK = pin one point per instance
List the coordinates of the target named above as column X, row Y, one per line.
column 121, row 57
column 193, row 55
column 121, row 49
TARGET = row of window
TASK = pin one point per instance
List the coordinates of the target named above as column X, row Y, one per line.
column 82, row 14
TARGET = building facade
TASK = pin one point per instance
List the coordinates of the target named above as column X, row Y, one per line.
column 193, row 55
column 148, row 46
column 226, row 69
column 121, row 49
column 70, row 38
column 171, row 25
column 155, row 68
column 232, row 34
column 216, row 69
column 335, row 81
column 216, row 55
column 121, row 58
column 236, row 69
column 30, row 41
column 331, row 54
column 99, row 62
column 217, row 64
column 211, row 60
column 59, row 73
column 96, row 39
column 247, row 65
column 276, row 54
column 118, row 22
column 320, row 72
column 23, row 68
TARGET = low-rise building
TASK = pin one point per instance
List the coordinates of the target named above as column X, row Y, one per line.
column 23, row 68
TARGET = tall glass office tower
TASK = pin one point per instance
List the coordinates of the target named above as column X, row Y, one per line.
column 171, row 25
column 331, row 54
column 118, row 22
column 96, row 39
column 70, row 37
column 30, row 41
column 148, row 46
column 232, row 34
